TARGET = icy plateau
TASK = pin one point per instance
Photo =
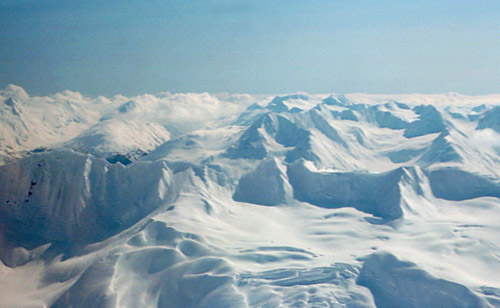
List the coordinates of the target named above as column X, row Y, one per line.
column 222, row 200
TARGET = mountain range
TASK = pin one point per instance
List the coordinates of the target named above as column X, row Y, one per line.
column 233, row 200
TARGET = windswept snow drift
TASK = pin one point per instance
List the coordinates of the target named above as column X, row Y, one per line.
column 200, row 200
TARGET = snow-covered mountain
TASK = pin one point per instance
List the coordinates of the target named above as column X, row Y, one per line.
column 201, row 200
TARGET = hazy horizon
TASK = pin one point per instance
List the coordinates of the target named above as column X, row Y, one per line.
column 250, row 47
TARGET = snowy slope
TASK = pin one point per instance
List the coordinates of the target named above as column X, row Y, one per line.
column 106, row 127
column 199, row 200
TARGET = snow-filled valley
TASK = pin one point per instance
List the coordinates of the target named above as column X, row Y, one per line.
column 221, row 200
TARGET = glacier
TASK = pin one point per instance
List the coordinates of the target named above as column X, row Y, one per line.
column 233, row 200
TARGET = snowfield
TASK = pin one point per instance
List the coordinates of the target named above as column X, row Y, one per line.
column 219, row 200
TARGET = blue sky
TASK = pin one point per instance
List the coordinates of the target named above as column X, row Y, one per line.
column 133, row 47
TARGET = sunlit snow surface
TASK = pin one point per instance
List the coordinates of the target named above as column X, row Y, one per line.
column 201, row 200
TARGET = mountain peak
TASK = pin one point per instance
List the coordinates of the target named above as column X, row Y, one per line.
column 14, row 91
